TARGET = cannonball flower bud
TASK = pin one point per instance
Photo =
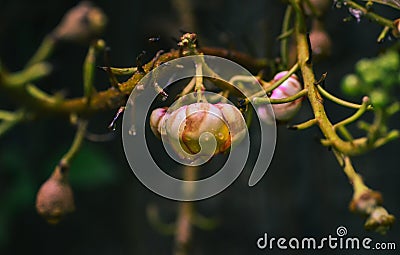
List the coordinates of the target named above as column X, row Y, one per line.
column 81, row 24
column 155, row 120
column 55, row 197
column 183, row 127
column 286, row 111
column 320, row 41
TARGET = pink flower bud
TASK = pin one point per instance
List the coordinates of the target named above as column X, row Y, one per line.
column 320, row 41
column 183, row 127
column 81, row 24
column 155, row 118
column 55, row 199
column 283, row 112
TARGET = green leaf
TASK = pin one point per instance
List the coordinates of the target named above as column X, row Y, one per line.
column 19, row 186
column 392, row 3
column 91, row 168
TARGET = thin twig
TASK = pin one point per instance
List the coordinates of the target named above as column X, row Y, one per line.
column 286, row 31
column 266, row 100
column 339, row 101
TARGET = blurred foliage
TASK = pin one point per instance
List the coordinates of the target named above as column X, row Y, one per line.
column 18, row 186
column 17, row 192
column 94, row 168
column 377, row 77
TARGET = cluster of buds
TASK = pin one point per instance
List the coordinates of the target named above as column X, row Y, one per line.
column 81, row 24
column 376, row 77
column 188, row 43
column 55, row 198
column 183, row 127
column 286, row 111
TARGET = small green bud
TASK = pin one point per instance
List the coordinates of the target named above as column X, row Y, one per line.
column 379, row 98
column 368, row 71
column 389, row 61
column 363, row 66
column 351, row 85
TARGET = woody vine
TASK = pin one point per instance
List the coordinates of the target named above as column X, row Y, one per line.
column 55, row 197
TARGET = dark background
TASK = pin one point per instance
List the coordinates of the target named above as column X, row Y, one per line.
column 304, row 192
